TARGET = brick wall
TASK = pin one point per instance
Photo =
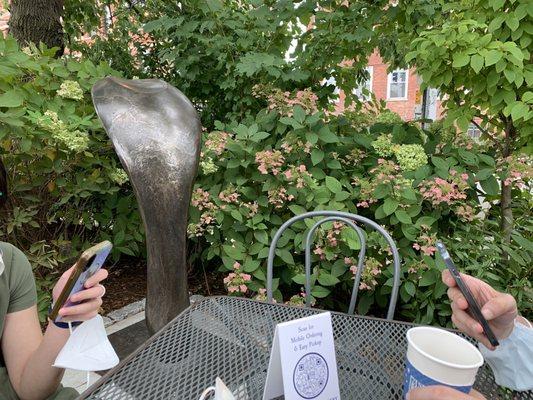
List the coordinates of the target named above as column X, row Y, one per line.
column 404, row 107
column 4, row 18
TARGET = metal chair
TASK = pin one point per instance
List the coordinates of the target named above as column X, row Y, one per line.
column 350, row 220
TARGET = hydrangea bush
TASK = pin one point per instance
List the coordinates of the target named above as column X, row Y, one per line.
column 67, row 186
column 293, row 157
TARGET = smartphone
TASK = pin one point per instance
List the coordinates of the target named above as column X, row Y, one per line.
column 90, row 261
column 473, row 307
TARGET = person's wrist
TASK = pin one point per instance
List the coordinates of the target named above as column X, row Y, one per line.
column 62, row 325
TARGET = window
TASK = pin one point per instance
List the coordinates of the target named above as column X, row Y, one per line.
column 474, row 132
column 397, row 84
column 364, row 89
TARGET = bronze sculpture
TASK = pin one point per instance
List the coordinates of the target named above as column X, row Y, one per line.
column 156, row 133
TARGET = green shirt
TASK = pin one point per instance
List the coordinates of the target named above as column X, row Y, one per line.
column 17, row 293
column 17, row 286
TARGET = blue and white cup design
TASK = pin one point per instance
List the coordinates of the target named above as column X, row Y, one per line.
column 438, row 357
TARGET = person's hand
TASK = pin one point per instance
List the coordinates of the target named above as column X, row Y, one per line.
column 89, row 299
column 499, row 309
column 441, row 393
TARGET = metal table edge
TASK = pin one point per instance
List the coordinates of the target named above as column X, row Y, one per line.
column 109, row 374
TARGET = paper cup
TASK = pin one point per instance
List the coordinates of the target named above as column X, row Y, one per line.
column 438, row 357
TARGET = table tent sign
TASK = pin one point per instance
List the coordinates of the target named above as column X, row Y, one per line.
column 302, row 361
column 88, row 348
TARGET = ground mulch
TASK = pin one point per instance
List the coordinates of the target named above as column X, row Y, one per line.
column 127, row 283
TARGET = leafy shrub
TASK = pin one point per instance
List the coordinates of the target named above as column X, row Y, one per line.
column 67, row 187
column 284, row 161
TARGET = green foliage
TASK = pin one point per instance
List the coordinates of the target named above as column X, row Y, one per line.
column 216, row 51
column 66, row 186
column 479, row 56
column 274, row 165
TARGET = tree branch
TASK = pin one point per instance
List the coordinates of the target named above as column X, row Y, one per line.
column 486, row 133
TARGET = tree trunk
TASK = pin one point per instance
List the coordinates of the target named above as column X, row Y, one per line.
column 507, row 220
column 37, row 21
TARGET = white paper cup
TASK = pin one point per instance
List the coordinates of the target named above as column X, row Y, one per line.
column 438, row 357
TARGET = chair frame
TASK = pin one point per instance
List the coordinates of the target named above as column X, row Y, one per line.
column 350, row 220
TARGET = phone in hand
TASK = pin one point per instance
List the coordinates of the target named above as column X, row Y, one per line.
column 473, row 307
column 90, row 261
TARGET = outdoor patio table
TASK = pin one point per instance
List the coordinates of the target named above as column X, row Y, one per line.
column 230, row 337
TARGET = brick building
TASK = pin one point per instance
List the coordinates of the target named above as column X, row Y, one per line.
column 400, row 89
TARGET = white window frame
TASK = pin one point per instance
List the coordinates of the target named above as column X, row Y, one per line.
column 474, row 132
column 365, row 85
column 389, row 82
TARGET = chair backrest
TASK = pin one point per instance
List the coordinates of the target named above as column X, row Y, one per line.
column 350, row 220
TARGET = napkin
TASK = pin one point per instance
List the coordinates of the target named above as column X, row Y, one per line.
column 88, row 348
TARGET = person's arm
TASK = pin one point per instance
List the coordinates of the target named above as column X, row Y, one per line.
column 29, row 355
column 441, row 393
column 512, row 360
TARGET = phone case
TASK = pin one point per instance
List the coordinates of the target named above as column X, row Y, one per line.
column 473, row 307
column 96, row 255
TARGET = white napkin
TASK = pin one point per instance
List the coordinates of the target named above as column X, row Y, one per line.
column 221, row 391
column 88, row 348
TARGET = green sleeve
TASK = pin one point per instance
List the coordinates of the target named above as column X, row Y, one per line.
column 23, row 293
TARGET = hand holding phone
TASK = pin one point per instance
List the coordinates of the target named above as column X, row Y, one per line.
column 473, row 307
column 89, row 263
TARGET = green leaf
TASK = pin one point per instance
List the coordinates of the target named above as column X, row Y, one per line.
column 519, row 110
column 317, row 155
column 403, row 217
column 490, row 186
column 341, row 196
column 381, row 191
column 477, row 62
column 11, row 98
column 285, row 255
column 236, row 215
column 492, row 57
column 413, row 211
column 410, row 288
column 390, row 205
column 299, row 114
column 296, row 209
column 251, row 265
column 233, row 252
column 439, row 163
column 326, row 279
column 262, row 237
column 409, row 194
column 327, row 136
column 509, row 75
column 487, row 159
column 427, row 221
column 333, row 184
column 523, row 242
column 484, row 174
column 299, row 279
column 496, row 4
column 512, row 22
column 320, row 292
column 460, row 60
column 428, row 278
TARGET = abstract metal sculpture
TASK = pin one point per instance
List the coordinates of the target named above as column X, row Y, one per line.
column 156, row 133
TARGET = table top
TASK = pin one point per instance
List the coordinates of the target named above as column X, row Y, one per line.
column 231, row 337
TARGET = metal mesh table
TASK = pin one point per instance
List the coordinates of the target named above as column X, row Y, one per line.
column 231, row 338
